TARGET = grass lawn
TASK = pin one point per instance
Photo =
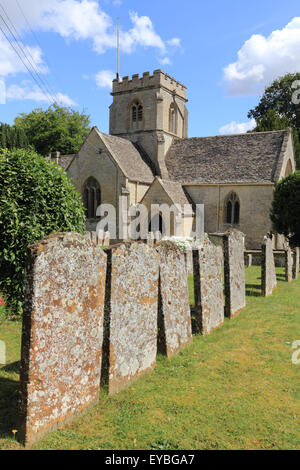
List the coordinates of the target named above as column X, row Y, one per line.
column 234, row 389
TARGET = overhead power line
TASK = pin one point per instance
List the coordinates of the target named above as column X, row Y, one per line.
column 37, row 40
column 30, row 65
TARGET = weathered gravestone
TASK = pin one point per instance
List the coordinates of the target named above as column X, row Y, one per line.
column 208, row 287
column 150, row 239
column 100, row 237
column 2, row 352
column 268, row 273
column 288, row 265
column 130, row 331
column 62, row 332
column 174, row 317
column 234, row 272
column 296, row 254
column 188, row 256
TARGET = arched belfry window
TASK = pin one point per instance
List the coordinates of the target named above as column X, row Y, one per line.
column 172, row 119
column 137, row 113
column 91, row 197
column 232, row 209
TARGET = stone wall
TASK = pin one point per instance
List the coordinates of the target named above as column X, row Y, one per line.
column 174, row 319
column 234, row 273
column 130, row 334
column 208, row 287
column 62, row 332
column 268, row 273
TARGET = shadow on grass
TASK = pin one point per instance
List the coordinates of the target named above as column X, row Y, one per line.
column 253, row 290
column 9, row 395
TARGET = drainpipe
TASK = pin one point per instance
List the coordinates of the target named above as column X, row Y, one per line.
column 218, row 211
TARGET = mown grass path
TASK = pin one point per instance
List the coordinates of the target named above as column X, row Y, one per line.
column 234, row 389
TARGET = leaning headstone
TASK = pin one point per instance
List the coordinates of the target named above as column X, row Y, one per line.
column 174, row 317
column 157, row 236
column 234, row 272
column 288, row 264
column 94, row 237
column 150, row 239
column 62, row 332
column 2, row 352
column 188, row 257
column 106, row 241
column 100, row 237
column 208, row 287
column 248, row 260
column 296, row 254
column 268, row 272
column 130, row 332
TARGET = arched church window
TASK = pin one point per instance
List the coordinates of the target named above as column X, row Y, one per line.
column 137, row 112
column 232, row 209
column 289, row 168
column 172, row 119
column 91, row 197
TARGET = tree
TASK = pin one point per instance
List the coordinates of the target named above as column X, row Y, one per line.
column 37, row 198
column 57, row 128
column 12, row 137
column 285, row 210
column 278, row 110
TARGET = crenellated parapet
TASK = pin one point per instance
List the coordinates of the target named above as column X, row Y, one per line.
column 159, row 79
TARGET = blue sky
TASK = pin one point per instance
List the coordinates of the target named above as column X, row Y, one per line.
column 224, row 52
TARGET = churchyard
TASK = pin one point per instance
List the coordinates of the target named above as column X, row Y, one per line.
column 237, row 388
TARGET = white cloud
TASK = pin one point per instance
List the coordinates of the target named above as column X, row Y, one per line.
column 237, row 128
column 10, row 63
column 104, row 78
column 84, row 19
column 76, row 20
column 175, row 43
column 17, row 92
column 165, row 61
column 142, row 34
column 262, row 59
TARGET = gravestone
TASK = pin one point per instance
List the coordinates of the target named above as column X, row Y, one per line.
column 2, row 352
column 174, row 317
column 208, row 287
column 62, row 332
column 106, row 241
column 268, row 272
column 296, row 254
column 234, row 273
column 288, row 265
column 130, row 332
column 188, row 256
column 150, row 239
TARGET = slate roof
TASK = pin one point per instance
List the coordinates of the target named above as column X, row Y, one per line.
column 133, row 163
column 175, row 191
column 241, row 158
column 65, row 160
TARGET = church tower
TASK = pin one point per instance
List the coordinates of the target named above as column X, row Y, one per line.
column 150, row 111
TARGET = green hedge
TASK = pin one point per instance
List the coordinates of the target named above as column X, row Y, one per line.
column 37, row 198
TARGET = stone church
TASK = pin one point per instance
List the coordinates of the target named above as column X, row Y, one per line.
column 149, row 158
